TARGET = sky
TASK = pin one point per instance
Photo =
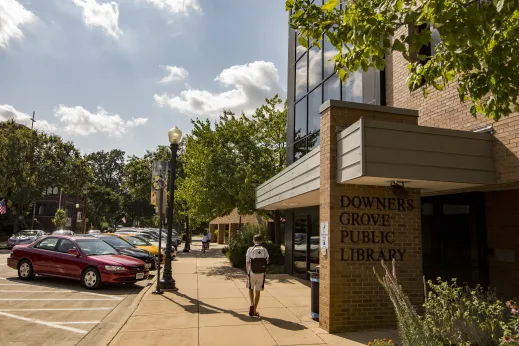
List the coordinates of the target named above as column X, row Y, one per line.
column 118, row 74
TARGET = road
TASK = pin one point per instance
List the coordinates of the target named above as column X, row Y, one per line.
column 51, row 311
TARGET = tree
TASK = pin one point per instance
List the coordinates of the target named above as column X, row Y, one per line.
column 225, row 164
column 30, row 162
column 108, row 168
column 60, row 218
column 477, row 45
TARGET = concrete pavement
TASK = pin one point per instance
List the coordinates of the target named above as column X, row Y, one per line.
column 211, row 308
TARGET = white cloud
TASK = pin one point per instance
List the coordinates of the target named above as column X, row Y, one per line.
column 79, row 121
column 174, row 73
column 8, row 112
column 251, row 84
column 12, row 16
column 176, row 6
column 102, row 15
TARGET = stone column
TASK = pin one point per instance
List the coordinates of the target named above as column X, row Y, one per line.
column 212, row 229
column 221, row 233
column 366, row 224
column 233, row 230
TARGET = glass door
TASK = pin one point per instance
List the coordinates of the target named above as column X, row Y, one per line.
column 301, row 224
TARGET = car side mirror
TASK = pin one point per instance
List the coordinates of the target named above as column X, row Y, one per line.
column 73, row 252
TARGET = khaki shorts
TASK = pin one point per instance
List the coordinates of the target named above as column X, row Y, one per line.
column 256, row 281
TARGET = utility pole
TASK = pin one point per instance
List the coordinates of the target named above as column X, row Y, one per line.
column 33, row 203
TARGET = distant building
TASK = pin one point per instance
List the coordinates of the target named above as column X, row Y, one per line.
column 53, row 199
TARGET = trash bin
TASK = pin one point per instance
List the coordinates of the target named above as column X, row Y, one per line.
column 314, row 305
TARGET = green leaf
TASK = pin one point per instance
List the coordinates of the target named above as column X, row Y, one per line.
column 329, row 5
column 302, row 41
column 499, row 5
column 343, row 75
column 398, row 45
column 289, row 4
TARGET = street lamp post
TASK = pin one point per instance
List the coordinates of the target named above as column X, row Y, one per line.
column 187, row 244
column 74, row 218
column 175, row 136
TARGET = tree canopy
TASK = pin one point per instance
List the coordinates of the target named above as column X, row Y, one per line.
column 477, row 43
column 225, row 161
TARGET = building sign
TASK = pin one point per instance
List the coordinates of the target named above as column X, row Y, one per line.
column 324, row 237
column 376, row 243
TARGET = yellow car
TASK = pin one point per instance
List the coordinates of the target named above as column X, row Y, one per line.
column 141, row 244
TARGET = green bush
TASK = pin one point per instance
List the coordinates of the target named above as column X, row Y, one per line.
column 60, row 218
column 243, row 240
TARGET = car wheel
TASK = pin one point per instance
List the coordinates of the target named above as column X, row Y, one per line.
column 91, row 279
column 25, row 271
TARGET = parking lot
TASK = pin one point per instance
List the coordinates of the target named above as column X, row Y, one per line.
column 51, row 311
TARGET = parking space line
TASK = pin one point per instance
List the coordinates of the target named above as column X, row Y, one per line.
column 55, row 299
column 61, row 291
column 11, row 284
column 48, row 324
column 80, row 322
column 58, row 309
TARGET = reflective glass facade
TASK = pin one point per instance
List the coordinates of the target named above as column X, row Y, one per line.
column 313, row 82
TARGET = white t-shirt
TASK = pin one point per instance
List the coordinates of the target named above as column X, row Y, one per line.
column 205, row 238
column 249, row 252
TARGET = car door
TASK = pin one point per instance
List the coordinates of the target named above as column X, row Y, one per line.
column 67, row 265
column 43, row 256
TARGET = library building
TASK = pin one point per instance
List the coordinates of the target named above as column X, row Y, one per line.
column 375, row 173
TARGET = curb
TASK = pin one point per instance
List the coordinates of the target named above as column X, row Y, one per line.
column 107, row 329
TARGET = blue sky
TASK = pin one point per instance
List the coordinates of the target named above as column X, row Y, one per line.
column 119, row 74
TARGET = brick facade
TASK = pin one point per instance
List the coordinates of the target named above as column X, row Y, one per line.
column 444, row 109
column 351, row 298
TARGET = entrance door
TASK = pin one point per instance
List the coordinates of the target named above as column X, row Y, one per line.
column 306, row 241
column 454, row 238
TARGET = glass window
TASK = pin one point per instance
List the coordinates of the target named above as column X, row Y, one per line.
column 116, row 242
column 352, row 88
column 65, row 245
column 300, row 120
column 301, row 74
column 136, row 241
column 329, row 52
column 315, row 101
column 300, row 50
column 315, row 67
column 47, row 244
column 332, row 88
column 95, row 247
column 299, row 149
column 314, row 140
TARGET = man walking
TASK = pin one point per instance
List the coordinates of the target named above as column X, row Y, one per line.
column 256, row 260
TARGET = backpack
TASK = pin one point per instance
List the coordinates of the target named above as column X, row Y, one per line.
column 258, row 259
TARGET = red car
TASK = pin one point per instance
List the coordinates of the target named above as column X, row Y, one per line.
column 84, row 258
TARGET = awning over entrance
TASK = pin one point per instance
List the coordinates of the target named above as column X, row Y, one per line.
column 373, row 152
column 294, row 187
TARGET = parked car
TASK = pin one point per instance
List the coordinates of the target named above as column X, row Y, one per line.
column 63, row 232
column 142, row 245
column 139, row 242
column 24, row 237
column 154, row 233
column 94, row 231
column 88, row 259
column 125, row 248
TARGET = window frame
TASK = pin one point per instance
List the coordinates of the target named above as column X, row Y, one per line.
column 37, row 245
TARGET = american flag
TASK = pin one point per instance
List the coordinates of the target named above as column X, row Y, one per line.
column 3, row 208
column 123, row 220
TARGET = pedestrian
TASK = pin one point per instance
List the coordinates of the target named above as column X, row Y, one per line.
column 256, row 259
column 205, row 241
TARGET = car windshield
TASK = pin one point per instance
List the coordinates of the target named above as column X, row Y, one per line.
column 135, row 241
column 116, row 242
column 63, row 232
column 28, row 233
column 95, row 247
column 152, row 236
column 145, row 236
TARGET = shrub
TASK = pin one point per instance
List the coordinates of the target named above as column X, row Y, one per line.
column 60, row 218
column 381, row 342
column 239, row 244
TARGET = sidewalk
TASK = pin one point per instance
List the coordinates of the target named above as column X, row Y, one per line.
column 211, row 308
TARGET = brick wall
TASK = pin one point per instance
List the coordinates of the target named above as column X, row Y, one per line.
column 502, row 216
column 444, row 109
column 351, row 298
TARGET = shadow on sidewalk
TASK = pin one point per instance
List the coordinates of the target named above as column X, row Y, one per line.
column 204, row 308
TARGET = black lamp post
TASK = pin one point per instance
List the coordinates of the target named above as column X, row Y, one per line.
column 187, row 245
column 167, row 281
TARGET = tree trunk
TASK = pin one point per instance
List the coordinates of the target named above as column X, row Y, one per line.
column 188, row 233
column 277, row 227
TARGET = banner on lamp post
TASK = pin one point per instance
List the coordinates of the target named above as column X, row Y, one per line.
column 159, row 174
